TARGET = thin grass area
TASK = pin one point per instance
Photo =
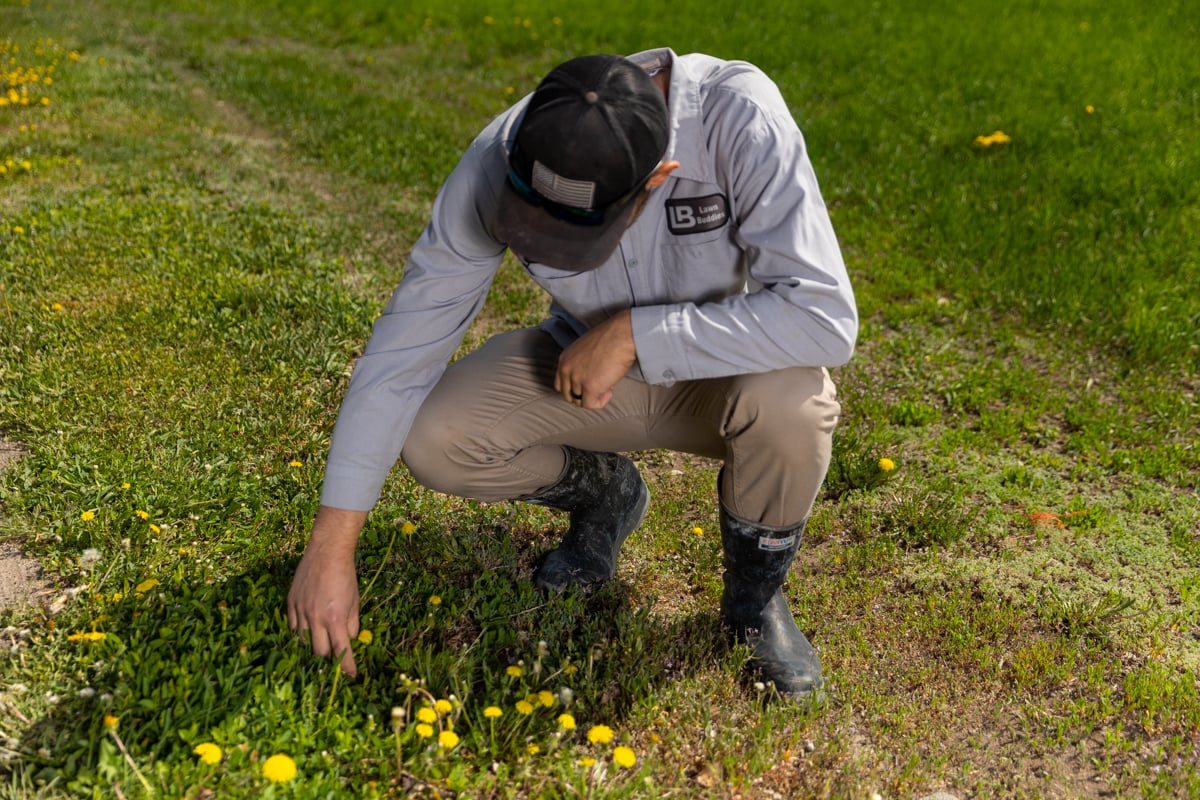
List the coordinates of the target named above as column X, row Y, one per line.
column 199, row 224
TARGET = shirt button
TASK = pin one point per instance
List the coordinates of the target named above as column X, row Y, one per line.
column 669, row 375
column 633, row 262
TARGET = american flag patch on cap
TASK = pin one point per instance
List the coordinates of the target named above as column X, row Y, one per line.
column 564, row 191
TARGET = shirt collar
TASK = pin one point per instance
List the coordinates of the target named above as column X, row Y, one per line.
column 686, row 143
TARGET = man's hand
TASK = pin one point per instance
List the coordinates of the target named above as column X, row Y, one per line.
column 324, row 595
column 590, row 368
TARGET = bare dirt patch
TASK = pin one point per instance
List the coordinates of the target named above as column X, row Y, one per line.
column 20, row 576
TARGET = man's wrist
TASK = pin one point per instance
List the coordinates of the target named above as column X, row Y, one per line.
column 336, row 530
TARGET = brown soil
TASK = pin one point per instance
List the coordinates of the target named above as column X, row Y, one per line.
column 20, row 576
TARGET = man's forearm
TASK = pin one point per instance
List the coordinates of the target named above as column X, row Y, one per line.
column 335, row 531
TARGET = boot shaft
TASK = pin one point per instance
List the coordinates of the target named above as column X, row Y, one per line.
column 757, row 560
column 586, row 481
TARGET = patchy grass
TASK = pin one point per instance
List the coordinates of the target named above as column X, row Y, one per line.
column 217, row 200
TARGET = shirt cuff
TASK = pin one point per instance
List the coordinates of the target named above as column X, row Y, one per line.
column 657, row 334
column 351, row 488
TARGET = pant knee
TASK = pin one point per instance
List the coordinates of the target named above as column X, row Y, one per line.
column 783, row 411
column 430, row 453
column 779, row 436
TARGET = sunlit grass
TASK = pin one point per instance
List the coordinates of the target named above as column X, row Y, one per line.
column 1000, row 574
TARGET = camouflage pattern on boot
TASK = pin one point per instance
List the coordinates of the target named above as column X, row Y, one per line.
column 607, row 500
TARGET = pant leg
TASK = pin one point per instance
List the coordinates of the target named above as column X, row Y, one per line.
column 779, row 434
column 493, row 427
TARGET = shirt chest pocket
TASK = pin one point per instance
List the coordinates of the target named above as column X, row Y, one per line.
column 702, row 267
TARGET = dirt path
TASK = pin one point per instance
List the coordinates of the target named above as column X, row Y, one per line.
column 20, row 576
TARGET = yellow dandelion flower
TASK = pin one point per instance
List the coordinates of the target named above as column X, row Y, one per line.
column 587, row 761
column 110, row 721
column 491, row 712
column 74, row 56
column 279, row 768
column 146, row 585
column 208, row 752
column 546, row 698
column 443, row 706
column 566, row 722
column 427, row 715
column 600, row 734
column 365, row 636
column 533, row 749
column 624, row 757
column 1091, row 109
column 886, row 464
column 295, row 464
column 996, row 137
column 424, row 730
column 514, row 671
column 448, row 739
column 125, row 485
column 90, row 636
column 524, row 707
column 154, row 528
column 488, row 21
column 435, row 600
column 570, row 669
column 408, row 529
column 88, row 516
column 698, row 531
column 56, row 306
column 141, row 514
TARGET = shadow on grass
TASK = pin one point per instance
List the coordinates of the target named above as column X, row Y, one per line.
column 191, row 661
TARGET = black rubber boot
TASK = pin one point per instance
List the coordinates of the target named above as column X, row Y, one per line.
column 755, row 611
column 607, row 499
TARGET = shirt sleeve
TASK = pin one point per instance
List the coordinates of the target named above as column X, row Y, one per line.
column 799, row 309
column 446, row 280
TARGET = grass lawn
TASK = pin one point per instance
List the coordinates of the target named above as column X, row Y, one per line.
column 203, row 205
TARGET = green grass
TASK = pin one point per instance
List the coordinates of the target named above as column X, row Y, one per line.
column 198, row 228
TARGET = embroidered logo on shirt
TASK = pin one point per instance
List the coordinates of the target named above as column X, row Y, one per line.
column 696, row 214
column 772, row 543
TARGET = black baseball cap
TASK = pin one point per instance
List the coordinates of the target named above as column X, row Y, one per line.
column 593, row 134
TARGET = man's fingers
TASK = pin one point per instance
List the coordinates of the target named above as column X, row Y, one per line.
column 348, row 665
column 320, row 640
column 327, row 643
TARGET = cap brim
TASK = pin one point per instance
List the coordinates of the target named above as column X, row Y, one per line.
column 536, row 236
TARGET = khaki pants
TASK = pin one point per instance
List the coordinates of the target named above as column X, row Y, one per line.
column 493, row 428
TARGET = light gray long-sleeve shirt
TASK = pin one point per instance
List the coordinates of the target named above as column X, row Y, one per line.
column 732, row 268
